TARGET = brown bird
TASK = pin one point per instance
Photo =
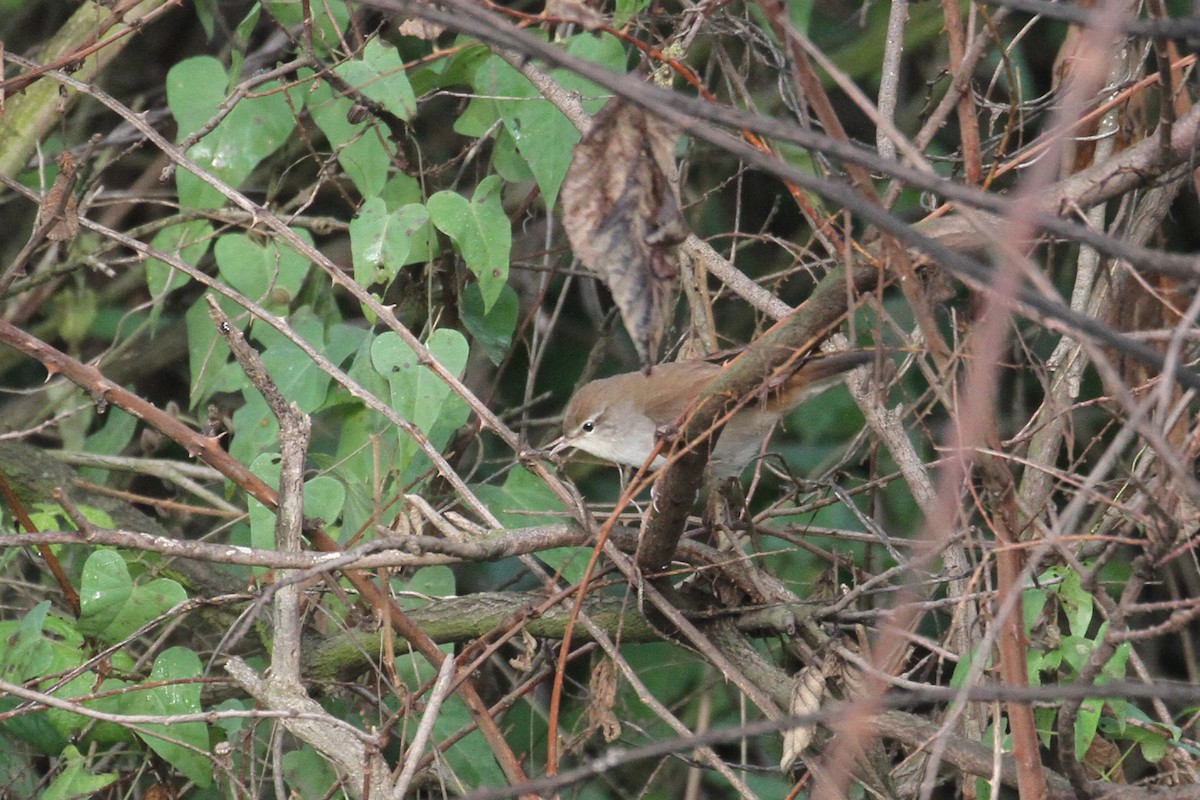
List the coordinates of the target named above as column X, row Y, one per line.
column 619, row 419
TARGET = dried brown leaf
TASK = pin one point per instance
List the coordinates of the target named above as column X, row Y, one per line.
column 59, row 203
column 1103, row 761
column 420, row 29
column 622, row 215
column 1178, row 768
column 603, row 693
column 161, row 791
column 524, row 661
column 808, row 689
column 574, row 11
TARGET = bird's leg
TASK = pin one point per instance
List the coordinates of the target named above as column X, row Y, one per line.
column 624, row 473
column 725, row 511
column 667, row 435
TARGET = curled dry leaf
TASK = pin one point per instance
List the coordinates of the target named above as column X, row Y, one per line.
column 59, row 203
column 603, row 695
column 808, row 689
column 621, row 212
column 1103, row 761
column 160, row 791
column 524, row 661
column 575, row 11
column 420, row 29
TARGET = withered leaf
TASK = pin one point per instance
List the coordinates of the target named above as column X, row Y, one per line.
column 622, row 215
column 420, row 29
column 808, row 689
column 59, row 202
column 603, row 697
column 575, row 11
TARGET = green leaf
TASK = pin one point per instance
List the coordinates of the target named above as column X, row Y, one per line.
column 256, row 127
column 962, row 670
column 543, row 136
column 296, row 375
column 327, row 25
column 570, row 562
column 364, row 155
column 188, row 241
column 381, row 240
column 478, row 117
column 508, row 161
column 627, row 10
column 379, row 75
column 1153, row 748
column 104, row 590
column 356, row 463
column 1077, row 602
column 308, row 774
column 255, row 429
column 178, row 668
column 1035, row 662
column 112, row 607
column 323, row 498
column 46, row 645
column 402, row 190
column 262, row 519
column 1033, row 601
column 859, row 57
column 342, row 341
column 48, row 515
column 206, row 12
column 149, row 600
column 418, row 394
column 1114, row 669
column 26, row 653
column 111, row 439
column 1044, row 719
column 267, row 274
column 195, row 88
column 461, row 60
column 1076, row 650
column 471, row 760
column 74, row 780
column 246, row 27
column 669, row 675
column 1086, row 723
column 481, row 230
column 18, row 775
column 118, row 700
column 208, row 356
column 35, row 729
column 1131, row 724
column 69, row 724
column 74, row 313
column 415, row 591
column 521, row 492
column 493, row 328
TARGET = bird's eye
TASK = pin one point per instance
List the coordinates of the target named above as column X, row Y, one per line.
column 588, row 426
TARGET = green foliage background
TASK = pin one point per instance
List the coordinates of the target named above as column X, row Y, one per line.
column 428, row 170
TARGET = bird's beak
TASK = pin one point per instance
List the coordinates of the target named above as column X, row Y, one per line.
column 552, row 449
column 557, row 446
